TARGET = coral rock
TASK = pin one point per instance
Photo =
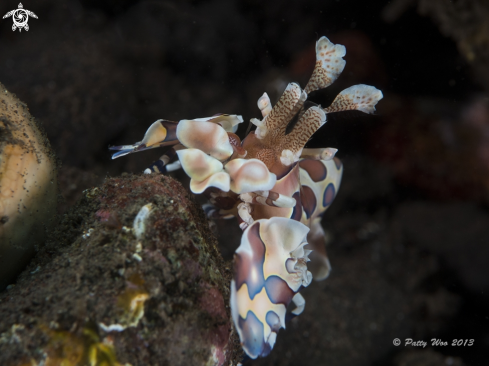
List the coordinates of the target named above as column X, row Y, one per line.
column 157, row 298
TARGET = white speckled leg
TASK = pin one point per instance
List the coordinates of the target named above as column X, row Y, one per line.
column 268, row 198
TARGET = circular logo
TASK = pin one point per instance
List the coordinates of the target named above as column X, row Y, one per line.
column 397, row 342
column 20, row 17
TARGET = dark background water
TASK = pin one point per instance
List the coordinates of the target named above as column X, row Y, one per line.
column 408, row 234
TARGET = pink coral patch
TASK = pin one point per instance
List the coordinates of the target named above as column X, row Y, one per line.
column 212, row 302
column 103, row 215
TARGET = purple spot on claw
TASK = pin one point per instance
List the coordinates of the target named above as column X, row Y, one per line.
column 252, row 335
column 308, row 200
column 316, row 170
column 338, row 163
column 278, row 291
column 329, row 194
column 245, row 265
column 273, row 321
column 297, row 212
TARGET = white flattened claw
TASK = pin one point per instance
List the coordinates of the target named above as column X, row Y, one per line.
column 160, row 133
column 285, row 257
column 229, row 122
column 308, row 124
column 270, row 267
column 248, row 175
column 155, row 134
column 197, row 164
column 358, row 97
column 235, row 165
column 220, row 180
column 257, row 320
column 206, row 136
column 286, row 233
column 329, row 64
column 258, row 305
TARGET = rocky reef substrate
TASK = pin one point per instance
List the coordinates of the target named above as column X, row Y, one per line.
column 131, row 276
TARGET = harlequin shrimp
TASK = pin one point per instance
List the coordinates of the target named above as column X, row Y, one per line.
column 277, row 189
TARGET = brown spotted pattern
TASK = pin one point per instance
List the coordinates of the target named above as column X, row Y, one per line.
column 298, row 106
column 319, row 79
column 297, row 211
column 338, row 163
column 323, row 189
column 268, row 156
column 316, row 170
column 245, row 262
column 309, row 201
column 309, row 123
column 276, row 122
column 358, row 97
column 278, row 290
column 329, row 65
column 341, row 103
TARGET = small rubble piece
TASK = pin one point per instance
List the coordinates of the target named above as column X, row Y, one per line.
column 93, row 302
column 28, row 187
